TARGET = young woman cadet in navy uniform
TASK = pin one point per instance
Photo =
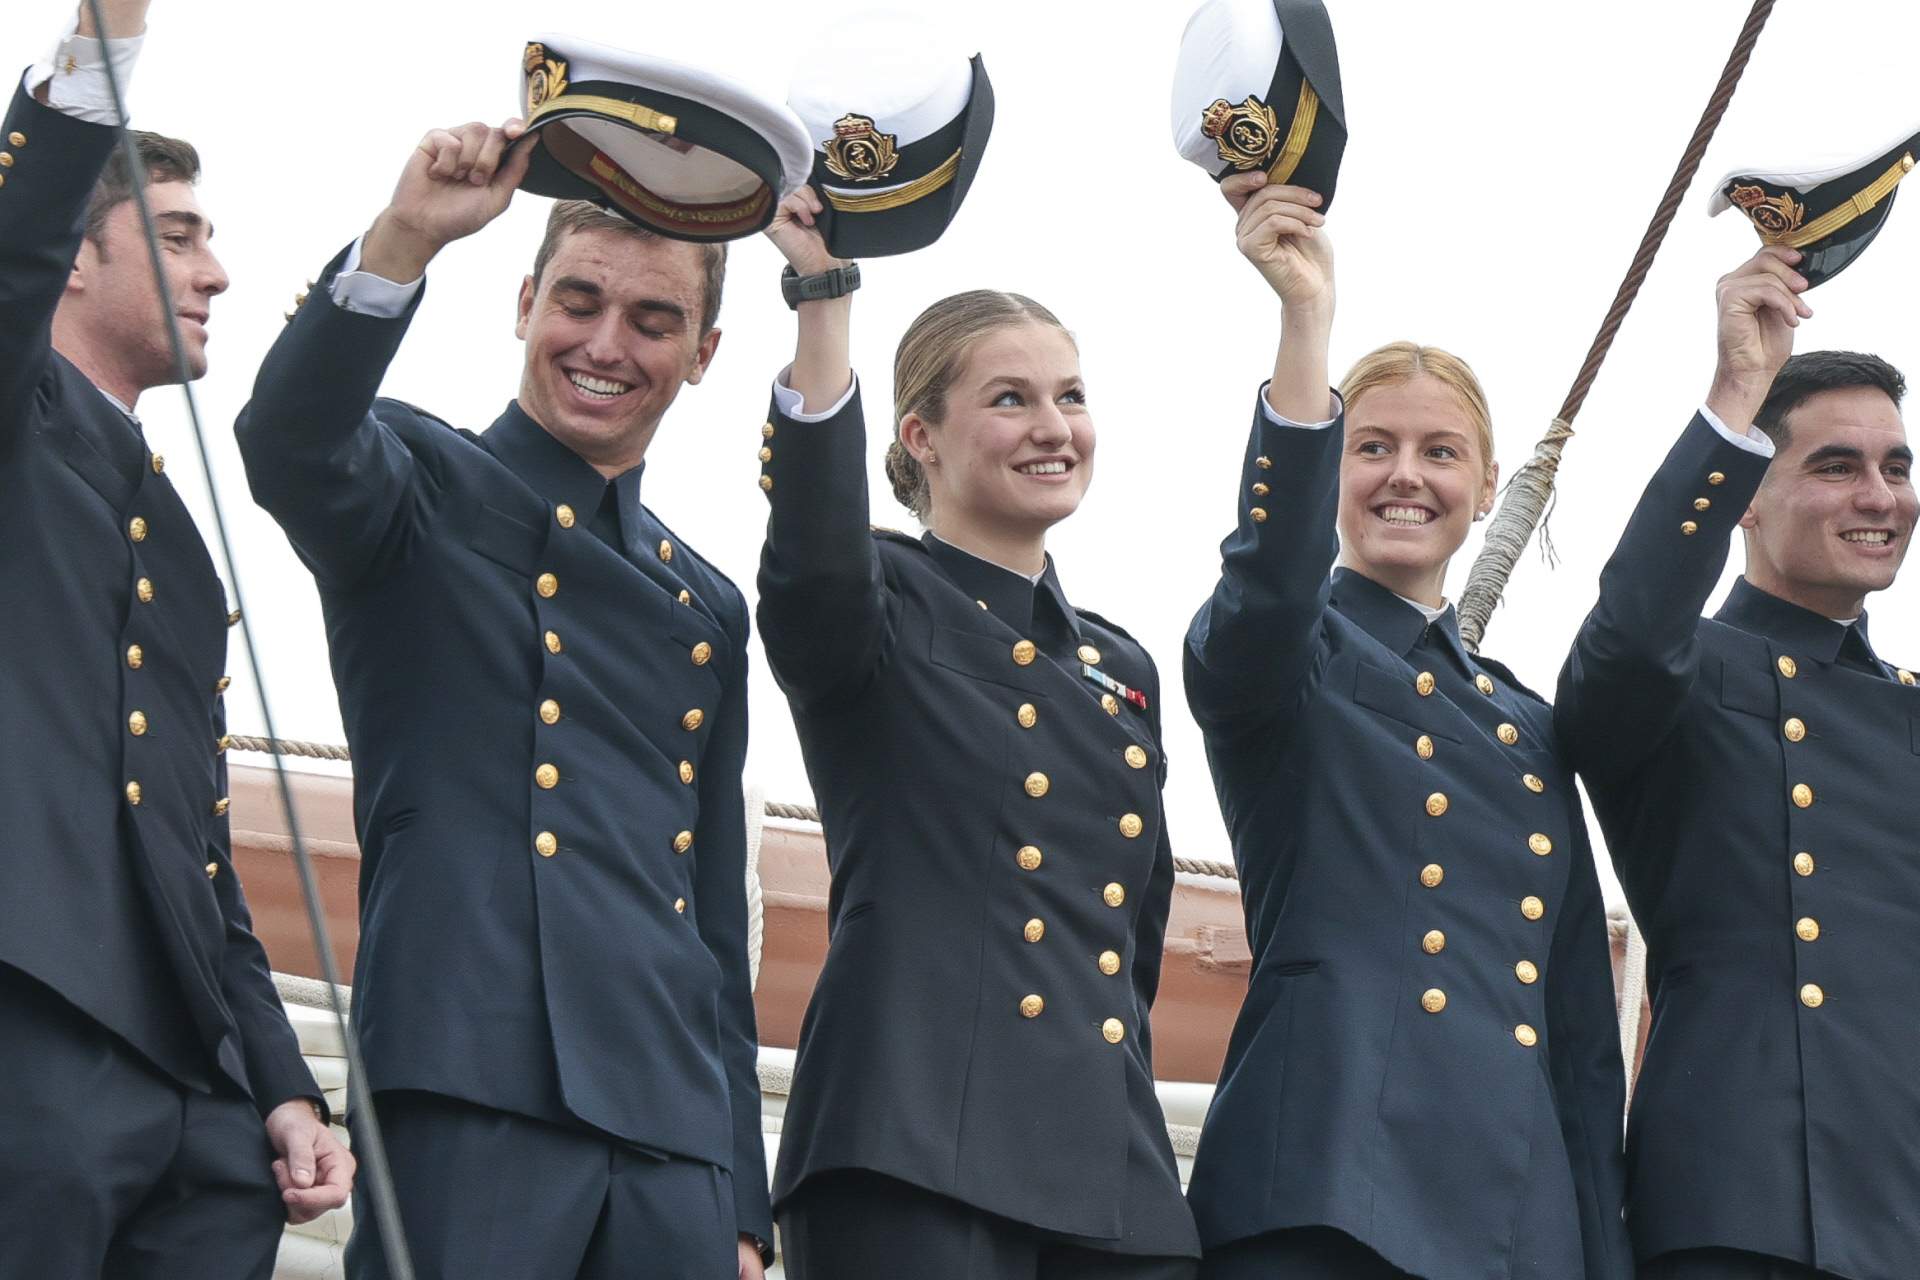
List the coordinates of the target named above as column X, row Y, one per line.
column 974, row 1093
column 1425, row 1078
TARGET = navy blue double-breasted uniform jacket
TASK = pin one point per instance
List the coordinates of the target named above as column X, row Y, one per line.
column 115, row 885
column 1428, row 1057
column 1757, row 775
column 548, row 735
column 1001, row 872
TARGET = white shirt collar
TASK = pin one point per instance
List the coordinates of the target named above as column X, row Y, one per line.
column 1429, row 612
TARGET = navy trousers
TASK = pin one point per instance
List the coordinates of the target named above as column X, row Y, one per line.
column 111, row 1170
column 1302, row 1253
column 851, row 1224
column 1726, row 1264
column 489, row 1195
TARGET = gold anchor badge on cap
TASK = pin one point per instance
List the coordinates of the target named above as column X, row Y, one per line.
column 1775, row 216
column 546, row 77
column 858, row 151
column 1245, row 134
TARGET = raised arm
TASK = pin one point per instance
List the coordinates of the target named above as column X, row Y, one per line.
column 318, row 459
column 826, row 615
column 1250, row 646
column 1635, row 657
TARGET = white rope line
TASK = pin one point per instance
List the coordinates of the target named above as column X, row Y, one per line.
column 756, row 903
column 1513, row 525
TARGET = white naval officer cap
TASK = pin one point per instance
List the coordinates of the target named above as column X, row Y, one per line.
column 898, row 117
column 1257, row 86
column 677, row 149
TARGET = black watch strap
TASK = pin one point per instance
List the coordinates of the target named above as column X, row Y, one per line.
column 835, row 283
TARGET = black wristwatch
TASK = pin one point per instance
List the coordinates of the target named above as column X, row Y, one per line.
column 836, row 283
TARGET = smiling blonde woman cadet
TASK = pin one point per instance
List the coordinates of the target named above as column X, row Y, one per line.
column 974, row 1090
column 1425, row 1079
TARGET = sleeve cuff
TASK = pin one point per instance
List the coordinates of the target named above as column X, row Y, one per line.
column 1266, row 410
column 367, row 294
column 75, row 73
column 1750, row 440
column 789, row 402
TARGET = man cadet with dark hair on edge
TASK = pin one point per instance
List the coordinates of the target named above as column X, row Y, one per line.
column 156, row 1118
column 1755, row 773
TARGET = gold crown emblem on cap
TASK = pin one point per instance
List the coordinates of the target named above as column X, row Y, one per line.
column 1775, row 215
column 1245, row 134
column 858, row 151
column 546, row 77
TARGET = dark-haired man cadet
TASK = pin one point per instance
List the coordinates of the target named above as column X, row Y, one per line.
column 141, row 1043
column 1757, row 775
column 545, row 691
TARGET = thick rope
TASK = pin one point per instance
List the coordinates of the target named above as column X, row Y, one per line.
column 756, row 902
column 1528, row 500
column 1633, row 993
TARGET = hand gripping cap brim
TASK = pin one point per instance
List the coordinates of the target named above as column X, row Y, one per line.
column 926, row 179
column 1829, row 214
column 1257, row 86
column 675, row 149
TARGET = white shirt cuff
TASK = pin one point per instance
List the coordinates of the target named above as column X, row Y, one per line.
column 790, row 402
column 1266, row 407
column 75, row 73
column 1752, row 441
column 366, row 294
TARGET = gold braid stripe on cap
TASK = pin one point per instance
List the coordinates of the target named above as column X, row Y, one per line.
column 1840, row 215
column 881, row 201
column 632, row 112
column 1298, row 133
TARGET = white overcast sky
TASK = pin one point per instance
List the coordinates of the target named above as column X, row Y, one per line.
column 1505, row 158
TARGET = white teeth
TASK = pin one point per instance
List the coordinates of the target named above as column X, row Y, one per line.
column 1043, row 469
column 599, row 386
column 1405, row 515
column 1872, row 537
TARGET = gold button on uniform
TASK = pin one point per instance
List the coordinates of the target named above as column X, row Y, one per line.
column 1114, row 895
column 213, row 869
column 137, row 528
column 1027, row 715
column 233, row 619
column 1540, row 843
column 550, row 711
column 1795, row 728
column 1434, row 943
column 1689, row 528
column 1906, row 677
column 1024, row 653
column 683, row 842
column 1483, row 684
column 135, row 656
column 766, row 431
column 564, row 514
column 666, row 552
column 1136, row 756
column 685, row 596
column 1131, row 826
column 1433, row 1000
column 1436, row 804
column 1265, row 464
column 1716, row 477
column 553, row 641
column 1432, row 874
column 1527, row 972
column 547, row 585
column 1532, row 908
column 1526, row 1035
column 1508, row 734
column 1110, row 704
column 1036, row 929
column 546, row 844
column 1788, row 667
column 1109, row 962
column 693, row 719
column 1423, row 747
column 1701, row 504
column 1260, row 489
column 1037, row 784
column 1423, row 684
column 1803, row 864
column 1803, row 795
column 702, row 654
column 1113, row 1030
column 159, row 463
column 680, row 905
column 1807, row 929
column 1533, row 782
column 1259, row 515
column 686, row 772
column 1089, row 655
column 1812, row 996
column 223, row 684
column 133, row 793
column 1028, row 857
column 17, row 139
column 144, row 589
column 137, row 723
column 766, row 454
column 547, row 777
column 221, row 806
column 1031, row 1006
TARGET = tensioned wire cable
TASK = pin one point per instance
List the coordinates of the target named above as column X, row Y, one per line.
column 369, row 1148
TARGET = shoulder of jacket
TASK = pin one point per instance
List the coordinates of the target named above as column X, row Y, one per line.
column 883, row 534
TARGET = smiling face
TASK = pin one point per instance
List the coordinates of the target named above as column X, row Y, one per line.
column 1412, row 479
column 1833, row 515
column 612, row 329
column 1014, row 451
